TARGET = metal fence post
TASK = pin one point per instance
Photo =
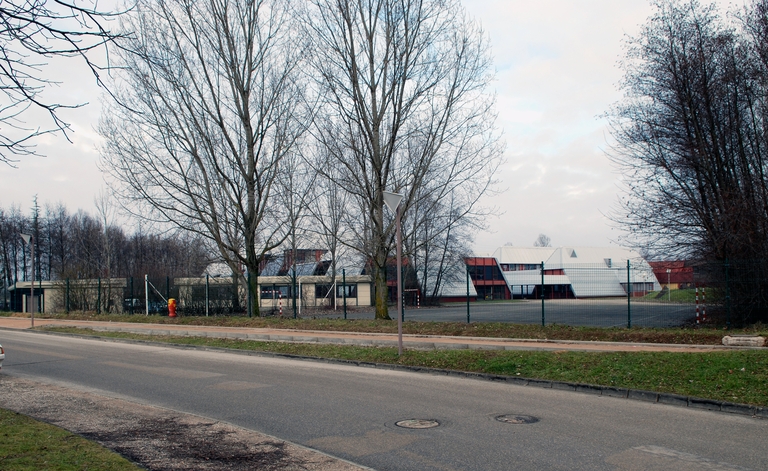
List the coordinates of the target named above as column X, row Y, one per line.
column 66, row 301
column 727, row 296
column 146, row 294
column 402, row 294
column 207, row 287
column 467, row 294
column 344, row 290
column 629, row 297
column 543, row 323
column 235, row 296
column 249, row 294
column 98, row 298
column 293, row 291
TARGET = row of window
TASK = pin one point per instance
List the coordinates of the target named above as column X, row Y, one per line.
column 321, row 291
column 492, row 292
column 488, row 273
column 520, row 266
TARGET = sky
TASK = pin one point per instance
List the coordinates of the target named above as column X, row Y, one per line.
column 556, row 63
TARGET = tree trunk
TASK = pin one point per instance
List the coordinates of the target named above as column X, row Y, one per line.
column 380, row 282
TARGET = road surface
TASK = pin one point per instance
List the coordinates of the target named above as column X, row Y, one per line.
column 352, row 412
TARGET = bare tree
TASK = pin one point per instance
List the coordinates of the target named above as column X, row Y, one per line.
column 542, row 241
column 211, row 109
column 329, row 209
column 294, row 194
column 107, row 213
column 438, row 243
column 404, row 108
column 7, row 248
column 691, row 136
column 31, row 31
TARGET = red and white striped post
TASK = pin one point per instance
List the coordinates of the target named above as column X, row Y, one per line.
column 703, row 304
column 280, row 303
column 697, row 306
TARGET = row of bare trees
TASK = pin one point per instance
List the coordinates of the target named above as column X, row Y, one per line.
column 692, row 132
column 81, row 246
column 692, row 141
column 271, row 124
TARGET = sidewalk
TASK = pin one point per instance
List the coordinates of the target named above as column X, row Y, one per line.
column 416, row 342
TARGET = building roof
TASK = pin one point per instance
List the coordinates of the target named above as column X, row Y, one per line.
column 610, row 257
column 559, row 257
column 523, row 255
column 590, row 271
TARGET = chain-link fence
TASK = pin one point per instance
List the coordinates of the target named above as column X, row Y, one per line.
column 631, row 295
column 739, row 291
column 200, row 296
column 724, row 293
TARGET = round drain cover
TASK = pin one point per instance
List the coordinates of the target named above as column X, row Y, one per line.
column 417, row 423
column 517, row 419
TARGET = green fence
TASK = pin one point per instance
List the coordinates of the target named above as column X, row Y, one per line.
column 731, row 293
column 628, row 295
column 201, row 296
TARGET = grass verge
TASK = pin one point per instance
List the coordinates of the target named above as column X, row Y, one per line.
column 27, row 444
column 736, row 376
column 689, row 335
column 684, row 296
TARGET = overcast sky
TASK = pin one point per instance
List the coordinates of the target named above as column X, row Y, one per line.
column 556, row 74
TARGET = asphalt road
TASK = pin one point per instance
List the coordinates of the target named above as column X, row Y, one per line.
column 351, row 412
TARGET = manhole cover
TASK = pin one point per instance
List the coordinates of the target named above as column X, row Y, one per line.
column 417, row 423
column 517, row 419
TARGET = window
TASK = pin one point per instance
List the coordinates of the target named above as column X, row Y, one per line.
column 351, row 291
column 275, row 291
column 325, row 291
column 321, row 291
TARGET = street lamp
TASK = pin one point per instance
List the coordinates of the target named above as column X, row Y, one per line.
column 28, row 239
column 393, row 203
column 669, row 286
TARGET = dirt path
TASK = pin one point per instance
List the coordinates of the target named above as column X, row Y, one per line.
column 159, row 439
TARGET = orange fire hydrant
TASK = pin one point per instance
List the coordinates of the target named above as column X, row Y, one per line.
column 171, row 307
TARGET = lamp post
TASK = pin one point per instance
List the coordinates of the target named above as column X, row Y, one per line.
column 28, row 239
column 669, row 286
column 393, row 203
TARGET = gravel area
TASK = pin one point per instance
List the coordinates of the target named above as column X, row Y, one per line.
column 155, row 438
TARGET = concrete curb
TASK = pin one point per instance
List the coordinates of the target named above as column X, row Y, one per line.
column 609, row 391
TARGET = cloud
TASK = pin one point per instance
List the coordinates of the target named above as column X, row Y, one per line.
column 556, row 63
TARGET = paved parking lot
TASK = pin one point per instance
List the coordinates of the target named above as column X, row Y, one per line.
column 576, row 312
